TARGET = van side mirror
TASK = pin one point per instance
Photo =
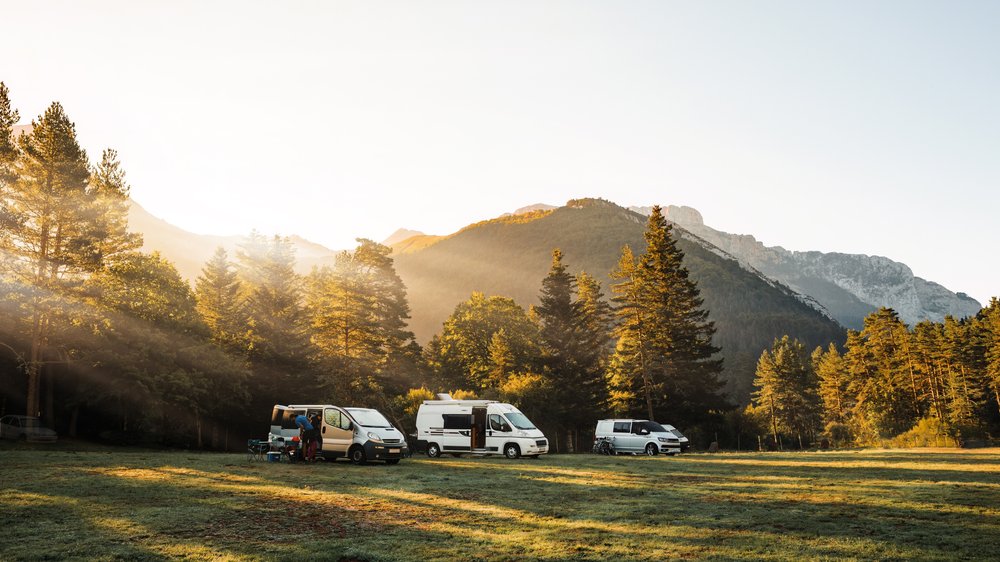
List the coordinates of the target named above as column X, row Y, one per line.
column 505, row 428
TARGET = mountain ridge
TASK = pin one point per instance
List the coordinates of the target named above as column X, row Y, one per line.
column 850, row 286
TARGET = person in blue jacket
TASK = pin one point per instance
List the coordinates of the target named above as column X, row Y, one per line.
column 307, row 436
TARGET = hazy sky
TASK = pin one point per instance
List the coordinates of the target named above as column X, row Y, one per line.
column 860, row 127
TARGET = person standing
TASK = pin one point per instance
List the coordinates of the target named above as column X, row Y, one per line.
column 306, row 437
column 317, row 424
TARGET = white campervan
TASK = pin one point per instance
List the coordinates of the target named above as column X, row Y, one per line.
column 477, row 426
column 360, row 434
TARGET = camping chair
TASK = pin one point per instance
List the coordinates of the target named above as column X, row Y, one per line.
column 257, row 450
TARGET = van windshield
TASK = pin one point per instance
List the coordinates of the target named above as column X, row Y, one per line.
column 654, row 427
column 519, row 420
column 368, row 418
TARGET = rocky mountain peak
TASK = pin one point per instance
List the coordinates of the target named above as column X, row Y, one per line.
column 849, row 286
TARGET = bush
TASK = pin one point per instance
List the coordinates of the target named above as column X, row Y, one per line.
column 839, row 434
column 929, row 432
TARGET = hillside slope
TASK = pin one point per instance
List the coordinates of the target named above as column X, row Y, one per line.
column 510, row 256
column 189, row 251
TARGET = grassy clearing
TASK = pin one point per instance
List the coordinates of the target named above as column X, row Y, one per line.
column 123, row 504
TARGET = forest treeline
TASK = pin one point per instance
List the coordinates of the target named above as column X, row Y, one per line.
column 937, row 383
column 105, row 341
column 101, row 339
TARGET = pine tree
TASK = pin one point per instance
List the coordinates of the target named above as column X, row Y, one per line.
column 219, row 295
column 964, row 384
column 594, row 332
column 927, row 342
column 358, row 311
column 990, row 317
column 881, row 379
column 278, row 346
column 572, row 347
column 786, row 389
column 60, row 223
column 8, row 145
column 629, row 366
column 832, row 375
column 662, row 317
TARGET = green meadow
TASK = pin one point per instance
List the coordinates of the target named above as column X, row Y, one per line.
column 123, row 504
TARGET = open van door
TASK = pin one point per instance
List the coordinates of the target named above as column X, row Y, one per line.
column 479, row 429
column 337, row 432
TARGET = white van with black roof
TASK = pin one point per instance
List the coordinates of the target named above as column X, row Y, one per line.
column 638, row 436
column 483, row 427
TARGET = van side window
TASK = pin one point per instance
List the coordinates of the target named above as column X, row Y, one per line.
column 336, row 418
column 497, row 423
column 622, row 427
column 457, row 421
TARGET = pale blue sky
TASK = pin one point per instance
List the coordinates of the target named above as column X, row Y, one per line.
column 861, row 127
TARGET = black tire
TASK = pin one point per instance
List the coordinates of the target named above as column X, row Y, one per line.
column 652, row 450
column 392, row 461
column 433, row 450
column 358, row 455
column 511, row 451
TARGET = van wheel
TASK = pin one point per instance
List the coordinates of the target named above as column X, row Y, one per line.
column 652, row 449
column 433, row 451
column 512, row 451
column 358, row 455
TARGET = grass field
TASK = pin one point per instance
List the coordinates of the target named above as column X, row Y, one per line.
column 59, row 504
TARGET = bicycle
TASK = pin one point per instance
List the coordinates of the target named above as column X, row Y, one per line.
column 604, row 446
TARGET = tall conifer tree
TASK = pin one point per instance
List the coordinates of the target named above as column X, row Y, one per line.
column 572, row 347
column 832, row 376
column 662, row 316
column 61, row 223
column 219, row 295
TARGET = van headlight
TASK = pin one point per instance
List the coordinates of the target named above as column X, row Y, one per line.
column 663, row 440
column 374, row 437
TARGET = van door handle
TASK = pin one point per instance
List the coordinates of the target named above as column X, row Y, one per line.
column 324, row 429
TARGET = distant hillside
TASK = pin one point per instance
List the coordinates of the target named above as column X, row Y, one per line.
column 510, row 256
column 850, row 286
column 189, row 251
column 400, row 235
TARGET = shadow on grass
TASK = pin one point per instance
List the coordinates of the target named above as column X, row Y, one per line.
column 150, row 506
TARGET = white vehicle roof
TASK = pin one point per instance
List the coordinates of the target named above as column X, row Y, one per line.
column 461, row 402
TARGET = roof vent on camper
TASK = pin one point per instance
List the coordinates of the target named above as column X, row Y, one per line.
column 443, row 396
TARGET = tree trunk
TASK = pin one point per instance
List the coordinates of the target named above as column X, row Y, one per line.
column 73, row 419
column 197, row 422
column 50, row 380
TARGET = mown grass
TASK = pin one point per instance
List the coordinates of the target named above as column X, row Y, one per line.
column 123, row 505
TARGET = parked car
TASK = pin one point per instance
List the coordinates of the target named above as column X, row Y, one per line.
column 26, row 428
column 685, row 444
column 638, row 436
